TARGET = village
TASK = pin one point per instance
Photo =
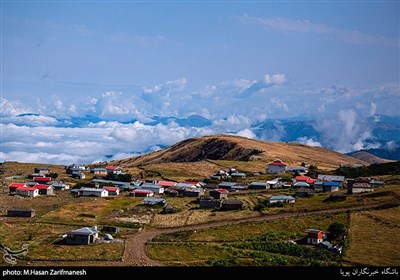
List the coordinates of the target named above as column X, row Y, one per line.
column 221, row 192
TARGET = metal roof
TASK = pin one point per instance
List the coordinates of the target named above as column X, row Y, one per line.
column 282, row 197
column 83, row 231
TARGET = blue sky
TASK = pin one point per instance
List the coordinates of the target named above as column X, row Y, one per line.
column 234, row 62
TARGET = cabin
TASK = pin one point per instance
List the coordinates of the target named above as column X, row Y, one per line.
column 209, row 203
column 360, row 188
column 226, row 185
column 141, row 193
column 27, row 191
column 219, row 193
column 60, row 186
column 78, row 175
column 99, row 171
column 331, row 186
column 151, row 201
column 92, row 192
column 238, row 175
column 193, row 192
column 157, row 189
column 166, row 184
column 276, row 167
column 231, row 204
column 331, row 178
column 318, row 186
column 82, row 236
column 305, row 192
column 112, row 190
column 42, row 180
column 45, row 189
column 42, row 171
column 114, row 169
column 14, row 186
column 315, row 236
column 282, row 198
column 21, row 212
column 259, row 186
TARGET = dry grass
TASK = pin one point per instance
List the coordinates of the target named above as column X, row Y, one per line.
column 184, row 171
column 375, row 238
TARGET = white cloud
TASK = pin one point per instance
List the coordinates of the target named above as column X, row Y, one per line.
column 276, row 79
column 246, row 133
column 308, row 141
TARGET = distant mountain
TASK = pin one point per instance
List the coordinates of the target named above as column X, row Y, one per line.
column 390, row 154
column 367, row 157
column 191, row 121
column 228, row 147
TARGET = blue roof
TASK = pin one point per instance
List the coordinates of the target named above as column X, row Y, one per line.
column 83, row 231
column 332, row 184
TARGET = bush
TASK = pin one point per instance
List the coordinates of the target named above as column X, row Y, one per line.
column 337, row 230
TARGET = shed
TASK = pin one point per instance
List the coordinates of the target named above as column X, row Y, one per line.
column 114, row 169
column 60, row 186
column 210, row 203
column 78, row 175
column 82, row 236
column 219, row 193
column 226, row 185
column 21, row 212
column 258, row 185
column 331, row 186
column 315, row 236
column 231, row 204
column 93, row 192
column 282, row 198
column 193, row 192
column 154, row 201
column 42, row 180
column 111, row 229
column 141, row 193
column 305, row 192
column 14, row 186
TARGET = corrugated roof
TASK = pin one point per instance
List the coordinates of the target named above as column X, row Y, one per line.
column 278, row 162
column 83, row 231
column 282, row 197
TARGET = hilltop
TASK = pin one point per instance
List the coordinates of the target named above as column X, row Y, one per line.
column 368, row 157
column 235, row 148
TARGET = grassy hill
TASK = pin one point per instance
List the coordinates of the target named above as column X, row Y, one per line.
column 227, row 150
column 368, row 157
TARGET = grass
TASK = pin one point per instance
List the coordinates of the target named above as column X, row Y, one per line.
column 41, row 238
column 227, row 245
column 374, row 238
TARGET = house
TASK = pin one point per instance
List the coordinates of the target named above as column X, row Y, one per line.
column 301, row 185
column 82, row 236
column 336, row 197
column 42, row 180
column 78, row 175
column 42, row 171
column 112, row 190
column 231, row 204
column 275, row 183
column 259, row 186
column 121, row 185
column 60, row 186
column 376, row 183
column 221, row 174
column 14, row 186
column 141, row 193
column 331, row 186
column 210, row 203
column 238, row 175
column 76, row 167
column 45, row 189
column 92, row 192
column 157, row 189
column 315, row 236
column 27, row 191
column 193, row 192
column 21, row 212
column 276, row 167
column 195, row 183
column 318, row 186
column 99, row 171
column 331, row 178
column 226, row 185
column 114, row 169
column 154, row 201
column 219, row 193
column 359, row 188
column 166, row 184
column 304, row 179
column 305, row 192
column 111, row 229
column 282, row 198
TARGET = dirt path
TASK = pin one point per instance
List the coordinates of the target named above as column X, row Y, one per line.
column 135, row 251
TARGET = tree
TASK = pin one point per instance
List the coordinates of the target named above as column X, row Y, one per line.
column 53, row 175
column 337, row 230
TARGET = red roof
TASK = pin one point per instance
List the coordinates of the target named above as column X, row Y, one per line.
column 111, row 189
column 41, row 179
column 306, row 179
column 221, row 190
column 26, row 188
column 42, row 187
column 192, row 182
column 166, row 183
column 278, row 162
column 17, row 185
column 112, row 167
column 141, row 191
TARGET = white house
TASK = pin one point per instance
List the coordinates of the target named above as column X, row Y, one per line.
column 92, row 192
column 314, row 236
column 27, row 191
column 282, row 198
column 277, row 167
column 157, row 189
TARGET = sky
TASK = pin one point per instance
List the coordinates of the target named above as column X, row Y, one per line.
column 236, row 63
